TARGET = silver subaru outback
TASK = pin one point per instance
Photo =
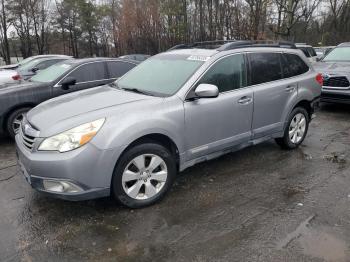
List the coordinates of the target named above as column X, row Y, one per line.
column 194, row 103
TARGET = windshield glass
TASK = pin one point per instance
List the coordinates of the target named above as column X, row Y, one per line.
column 163, row 75
column 51, row 73
column 29, row 65
column 338, row 54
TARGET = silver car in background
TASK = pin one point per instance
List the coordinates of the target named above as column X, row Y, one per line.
column 179, row 108
column 335, row 68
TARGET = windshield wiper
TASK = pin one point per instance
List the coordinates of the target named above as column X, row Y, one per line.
column 136, row 90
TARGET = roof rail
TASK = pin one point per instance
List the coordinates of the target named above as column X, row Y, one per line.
column 204, row 44
column 257, row 43
column 223, row 45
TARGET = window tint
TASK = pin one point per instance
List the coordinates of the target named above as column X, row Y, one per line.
column 265, row 67
column 227, row 74
column 89, row 72
column 117, row 69
column 293, row 65
column 305, row 51
column 312, row 51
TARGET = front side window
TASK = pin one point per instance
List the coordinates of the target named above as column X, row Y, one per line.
column 265, row 67
column 89, row 72
column 227, row 74
column 293, row 65
column 162, row 75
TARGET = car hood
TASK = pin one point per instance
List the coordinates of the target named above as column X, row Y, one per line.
column 333, row 67
column 91, row 103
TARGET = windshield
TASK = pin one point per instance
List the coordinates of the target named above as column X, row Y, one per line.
column 338, row 54
column 51, row 73
column 163, row 75
column 29, row 65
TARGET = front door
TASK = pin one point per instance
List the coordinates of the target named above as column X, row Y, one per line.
column 214, row 124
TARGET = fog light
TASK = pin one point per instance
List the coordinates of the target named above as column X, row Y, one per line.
column 61, row 186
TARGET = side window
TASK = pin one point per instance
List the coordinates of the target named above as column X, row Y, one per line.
column 293, row 65
column 305, row 51
column 89, row 72
column 46, row 64
column 227, row 74
column 312, row 51
column 117, row 69
column 265, row 67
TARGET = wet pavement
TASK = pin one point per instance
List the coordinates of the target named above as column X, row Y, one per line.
column 258, row 204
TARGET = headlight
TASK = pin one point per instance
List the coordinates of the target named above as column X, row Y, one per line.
column 73, row 138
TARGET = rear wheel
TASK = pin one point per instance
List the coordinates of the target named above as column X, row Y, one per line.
column 14, row 121
column 143, row 175
column 296, row 129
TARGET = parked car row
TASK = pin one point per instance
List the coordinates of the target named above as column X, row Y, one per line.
column 140, row 125
column 65, row 76
column 131, row 137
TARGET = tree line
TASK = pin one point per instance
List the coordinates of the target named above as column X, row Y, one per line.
column 84, row 28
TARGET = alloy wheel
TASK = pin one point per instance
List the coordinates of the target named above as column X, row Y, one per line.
column 297, row 128
column 144, row 176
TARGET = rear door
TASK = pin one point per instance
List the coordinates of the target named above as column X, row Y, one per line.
column 272, row 93
column 87, row 76
column 215, row 124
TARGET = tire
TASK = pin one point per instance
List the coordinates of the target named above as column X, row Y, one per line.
column 288, row 142
column 12, row 121
column 127, row 175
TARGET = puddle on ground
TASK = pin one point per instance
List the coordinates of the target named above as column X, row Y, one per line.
column 323, row 245
column 317, row 242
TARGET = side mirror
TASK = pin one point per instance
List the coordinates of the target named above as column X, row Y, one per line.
column 206, row 91
column 68, row 81
column 34, row 69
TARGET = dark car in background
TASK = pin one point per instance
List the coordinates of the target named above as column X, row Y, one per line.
column 62, row 78
column 335, row 68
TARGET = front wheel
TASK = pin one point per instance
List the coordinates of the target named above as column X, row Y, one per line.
column 296, row 129
column 143, row 175
column 14, row 121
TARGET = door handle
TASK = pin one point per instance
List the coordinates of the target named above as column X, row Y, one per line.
column 245, row 100
column 290, row 88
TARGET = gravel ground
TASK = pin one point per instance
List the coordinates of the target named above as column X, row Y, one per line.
column 258, row 204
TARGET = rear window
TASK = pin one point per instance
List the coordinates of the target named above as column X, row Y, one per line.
column 293, row 65
column 265, row 67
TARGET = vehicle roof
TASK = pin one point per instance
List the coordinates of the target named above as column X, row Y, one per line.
column 97, row 59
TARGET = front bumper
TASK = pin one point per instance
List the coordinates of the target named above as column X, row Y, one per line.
column 335, row 96
column 88, row 167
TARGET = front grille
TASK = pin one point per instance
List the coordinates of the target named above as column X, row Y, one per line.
column 336, row 81
column 28, row 141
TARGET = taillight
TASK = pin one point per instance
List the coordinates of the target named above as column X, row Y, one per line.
column 16, row 77
column 319, row 79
